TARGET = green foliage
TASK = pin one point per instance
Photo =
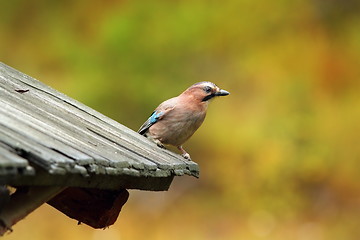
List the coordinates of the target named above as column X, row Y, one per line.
column 279, row 157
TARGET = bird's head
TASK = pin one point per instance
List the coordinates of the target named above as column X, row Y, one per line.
column 204, row 91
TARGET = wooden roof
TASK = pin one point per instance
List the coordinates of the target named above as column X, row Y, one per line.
column 49, row 139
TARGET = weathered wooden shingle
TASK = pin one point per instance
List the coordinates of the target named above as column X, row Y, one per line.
column 47, row 138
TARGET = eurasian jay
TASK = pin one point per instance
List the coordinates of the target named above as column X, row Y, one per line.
column 175, row 120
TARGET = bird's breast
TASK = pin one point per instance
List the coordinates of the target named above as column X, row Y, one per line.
column 178, row 126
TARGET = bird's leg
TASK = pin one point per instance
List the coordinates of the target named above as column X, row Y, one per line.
column 184, row 153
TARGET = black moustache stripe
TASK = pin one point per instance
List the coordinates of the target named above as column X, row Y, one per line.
column 208, row 97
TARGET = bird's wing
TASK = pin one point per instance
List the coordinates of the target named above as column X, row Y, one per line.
column 154, row 117
column 157, row 115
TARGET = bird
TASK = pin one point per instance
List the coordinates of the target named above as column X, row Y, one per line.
column 175, row 120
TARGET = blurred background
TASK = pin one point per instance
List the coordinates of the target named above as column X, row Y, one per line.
column 279, row 157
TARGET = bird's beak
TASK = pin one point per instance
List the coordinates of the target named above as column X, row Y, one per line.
column 222, row 92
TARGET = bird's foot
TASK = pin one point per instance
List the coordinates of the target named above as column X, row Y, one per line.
column 186, row 156
column 159, row 144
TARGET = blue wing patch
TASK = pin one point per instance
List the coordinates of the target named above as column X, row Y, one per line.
column 155, row 116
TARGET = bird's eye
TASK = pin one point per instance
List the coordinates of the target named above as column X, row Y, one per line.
column 207, row 89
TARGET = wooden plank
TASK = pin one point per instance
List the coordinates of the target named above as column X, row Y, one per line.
column 67, row 131
column 37, row 144
column 64, row 140
column 9, row 159
column 35, row 151
column 39, row 152
column 37, row 134
column 100, row 181
column 12, row 165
